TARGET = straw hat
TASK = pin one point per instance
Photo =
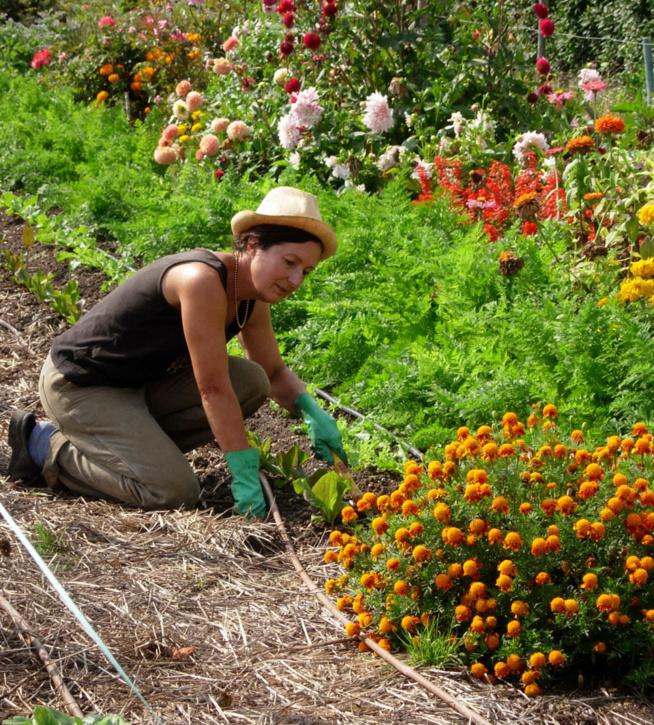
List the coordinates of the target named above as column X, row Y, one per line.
column 290, row 207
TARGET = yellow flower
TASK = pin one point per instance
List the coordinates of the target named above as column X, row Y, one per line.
column 196, row 127
column 183, row 138
column 643, row 267
column 602, row 302
column 646, row 214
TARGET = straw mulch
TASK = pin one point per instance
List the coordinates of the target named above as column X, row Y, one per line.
column 203, row 610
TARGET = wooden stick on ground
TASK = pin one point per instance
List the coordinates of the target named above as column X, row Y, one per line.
column 57, row 679
column 466, row 712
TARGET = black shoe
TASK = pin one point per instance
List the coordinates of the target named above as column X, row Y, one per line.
column 21, row 466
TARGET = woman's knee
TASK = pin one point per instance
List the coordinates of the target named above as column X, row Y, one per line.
column 177, row 494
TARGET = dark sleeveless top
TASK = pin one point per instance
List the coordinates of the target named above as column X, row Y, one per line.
column 134, row 335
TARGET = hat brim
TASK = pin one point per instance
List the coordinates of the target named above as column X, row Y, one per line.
column 244, row 220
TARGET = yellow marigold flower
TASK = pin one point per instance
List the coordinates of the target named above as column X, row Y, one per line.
column 365, row 619
column 409, row 508
column 472, row 493
column 402, row 534
column 501, row 670
column 525, row 508
column 513, row 541
column 577, row 436
column 513, row 629
column 409, row 623
column 589, row 581
column 639, row 577
column 443, row 582
column 529, row 676
column 609, row 124
column 477, row 625
column 462, row 613
column 582, row 528
column 478, row 670
column 557, row 605
column 519, row 608
column 597, row 531
column 359, row 604
column 477, row 590
column 330, row 585
column 647, row 563
column 367, row 501
column 532, row 690
column 336, row 538
column 542, row 578
column 603, row 301
column 478, row 527
column 352, row 629
column 344, row 603
column 386, row 626
column 396, row 500
column 384, row 644
column 377, row 550
column 421, row 553
column 504, row 582
column 553, row 543
column 401, row 588
column 588, row 489
column 646, row 214
column 495, row 536
column 434, row 470
column 471, row 567
column 580, row 144
column 509, row 419
column 614, row 618
column 453, row 536
column 393, row 564
column 640, row 484
column 330, row 556
column 379, row 525
column 411, row 482
column 507, row 567
column 537, row 661
column 416, row 529
column 548, row 506
column 571, row 607
column 642, row 446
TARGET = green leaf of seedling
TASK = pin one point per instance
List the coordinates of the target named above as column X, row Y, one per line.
column 329, row 492
column 646, row 249
column 28, row 236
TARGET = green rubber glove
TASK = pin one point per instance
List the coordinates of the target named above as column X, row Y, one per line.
column 246, row 489
column 323, row 431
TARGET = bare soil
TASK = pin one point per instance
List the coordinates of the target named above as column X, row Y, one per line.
column 201, row 608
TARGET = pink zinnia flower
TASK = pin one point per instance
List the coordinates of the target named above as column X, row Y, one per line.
column 218, row 125
column 106, row 22
column 43, row 57
column 292, row 85
column 545, row 89
column 560, row 97
column 595, row 86
column 194, row 101
column 542, row 66
column 379, row 116
column 209, row 145
column 183, row 87
column 546, row 27
column 541, row 10
column 311, row 41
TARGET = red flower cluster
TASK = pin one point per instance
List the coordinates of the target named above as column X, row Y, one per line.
column 427, row 192
column 546, row 27
column 311, row 41
column 541, row 10
column 542, row 66
column 43, row 57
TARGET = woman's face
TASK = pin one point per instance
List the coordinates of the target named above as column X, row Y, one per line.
column 278, row 271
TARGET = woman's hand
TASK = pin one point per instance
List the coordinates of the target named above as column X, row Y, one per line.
column 246, row 488
column 323, row 431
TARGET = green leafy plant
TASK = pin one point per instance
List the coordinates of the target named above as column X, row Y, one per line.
column 324, row 491
column 47, row 716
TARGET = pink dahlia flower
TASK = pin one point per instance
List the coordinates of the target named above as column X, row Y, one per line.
column 218, row 125
column 288, row 132
column 306, row 108
column 165, row 155
column 238, row 130
column 542, row 66
column 170, row 133
column 230, row 44
column 106, row 22
column 222, row 67
column 546, row 27
column 183, row 87
column 541, row 10
column 194, row 101
column 43, row 57
column 379, row 116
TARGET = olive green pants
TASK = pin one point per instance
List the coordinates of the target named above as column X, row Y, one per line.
column 129, row 443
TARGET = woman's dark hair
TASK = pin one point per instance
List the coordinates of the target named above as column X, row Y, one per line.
column 268, row 235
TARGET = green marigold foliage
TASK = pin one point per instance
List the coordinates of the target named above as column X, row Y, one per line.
column 531, row 548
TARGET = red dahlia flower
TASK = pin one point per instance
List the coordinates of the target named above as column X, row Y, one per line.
column 43, row 57
column 289, row 19
column 546, row 27
column 286, row 6
column 312, row 41
column 329, row 9
column 286, row 48
column 532, row 97
column 218, row 174
column 292, row 85
column 289, row 38
column 541, row 10
column 545, row 89
column 542, row 66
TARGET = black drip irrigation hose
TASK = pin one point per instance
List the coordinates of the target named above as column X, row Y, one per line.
column 350, row 411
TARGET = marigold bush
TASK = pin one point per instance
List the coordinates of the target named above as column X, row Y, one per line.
column 542, row 570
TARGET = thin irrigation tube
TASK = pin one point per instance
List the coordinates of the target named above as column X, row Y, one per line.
column 470, row 715
column 350, row 411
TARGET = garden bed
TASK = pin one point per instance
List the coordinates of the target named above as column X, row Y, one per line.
column 155, row 583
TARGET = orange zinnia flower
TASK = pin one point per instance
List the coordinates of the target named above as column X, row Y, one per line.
column 609, row 124
column 580, row 144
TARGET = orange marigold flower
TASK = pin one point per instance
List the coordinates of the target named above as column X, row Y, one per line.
column 393, row 564
column 514, row 663
column 477, row 625
column 344, row 603
column 589, row 581
column 443, row 582
column 513, row 629
column 462, row 613
column 352, row 629
column 495, row 536
column 365, row 619
column 628, row 444
column 501, row 670
column 597, row 531
column 471, row 567
column 491, row 621
column 639, row 577
column 560, row 451
column 615, row 505
column 509, row 419
column 506, row 450
column 434, row 470
column 642, row 446
column 386, row 626
column 478, row 527
column 557, row 605
column 448, row 469
column 571, row 607
column 384, row 503
column 608, row 124
column 402, row 534
column 367, row 501
column 521, row 201
column 577, row 436
column 368, row 580
column 505, row 583
column 549, row 411
column 411, row 482
column 538, row 546
column 478, row 670
column 513, row 541
column 409, row 508
column 537, row 661
column 348, row 514
column 454, row 570
column 453, row 536
column 477, row 590
column 566, row 505
column 330, row 556
column 376, row 550
column 543, row 578
column 582, row 456
column 442, row 512
column 421, row 553
column 525, row 508
column 640, row 484
column 401, row 588
column 472, row 493
column 594, row 472
column 626, row 494
column 507, row 567
column 500, row 505
column 580, row 144
column 647, row 563
column 379, row 525
column 416, row 529
column 519, row 608
column 582, row 528
column 588, row 489
column 396, row 500
column 528, row 677
column 409, row 623
column 639, row 429
column 600, row 647
column 594, row 196
column 548, row 506
column 532, row 690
